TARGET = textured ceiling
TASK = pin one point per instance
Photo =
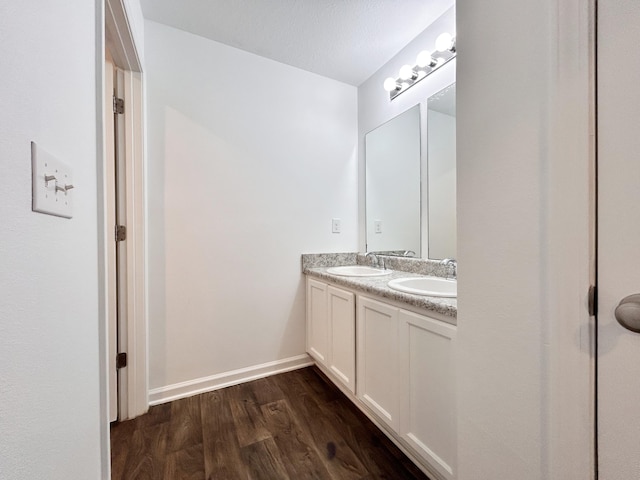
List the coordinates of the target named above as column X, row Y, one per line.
column 347, row 40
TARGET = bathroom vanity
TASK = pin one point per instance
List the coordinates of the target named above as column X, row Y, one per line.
column 392, row 354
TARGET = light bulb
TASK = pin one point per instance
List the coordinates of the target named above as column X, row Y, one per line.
column 390, row 84
column 444, row 42
column 424, row 59
column 406, row 72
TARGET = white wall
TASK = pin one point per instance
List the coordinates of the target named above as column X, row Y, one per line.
column 524, row 238
column 249, row 160
column 375, row 108
column 49, row 339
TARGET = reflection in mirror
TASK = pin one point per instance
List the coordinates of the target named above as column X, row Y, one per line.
column 392, row 157
column 441, row 135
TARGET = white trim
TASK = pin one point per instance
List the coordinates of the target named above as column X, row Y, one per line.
column 226, row 379
column 119, row 36
column 103, row 333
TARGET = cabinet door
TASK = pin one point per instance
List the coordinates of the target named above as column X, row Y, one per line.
column 317, row 321
column 427, row 399
column 378, row 359
column 342, row 332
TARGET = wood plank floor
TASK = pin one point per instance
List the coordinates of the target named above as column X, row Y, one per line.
column 295, row 425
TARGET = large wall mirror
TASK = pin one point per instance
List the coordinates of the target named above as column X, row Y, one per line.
column 441, row 173
column 392, row 153
column 395, row 196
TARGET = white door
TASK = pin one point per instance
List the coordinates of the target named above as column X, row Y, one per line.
column 120, row 199
column 110, row 210
column 115, row 211
column 618, row 388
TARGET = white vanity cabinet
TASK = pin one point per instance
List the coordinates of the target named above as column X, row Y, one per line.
column 342, row 336
column 331, row 330
column 317, row 321
column 406, row 378
column 378, row 361
column 403, row 364
column 427, row 389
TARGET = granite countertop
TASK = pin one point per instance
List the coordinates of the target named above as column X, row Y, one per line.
column 378, row 286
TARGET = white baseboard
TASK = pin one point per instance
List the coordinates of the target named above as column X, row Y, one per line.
column 226, row 379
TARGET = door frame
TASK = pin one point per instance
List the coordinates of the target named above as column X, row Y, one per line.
column 133, row 397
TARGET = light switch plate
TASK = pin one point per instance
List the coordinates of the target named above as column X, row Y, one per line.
column 51, row 183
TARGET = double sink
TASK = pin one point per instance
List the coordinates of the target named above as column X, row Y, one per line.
column 428, row 286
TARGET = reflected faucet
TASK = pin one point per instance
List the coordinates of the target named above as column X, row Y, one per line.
column 451, row 262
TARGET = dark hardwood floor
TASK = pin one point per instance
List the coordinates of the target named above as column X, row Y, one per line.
column 295, row 425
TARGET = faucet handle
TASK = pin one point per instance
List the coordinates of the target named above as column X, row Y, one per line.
column 451, row 262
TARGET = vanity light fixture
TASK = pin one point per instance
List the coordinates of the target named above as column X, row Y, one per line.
column 425, row 59
column 445, row 42
column 408, row 73
column 391, row 84
column 426, row 63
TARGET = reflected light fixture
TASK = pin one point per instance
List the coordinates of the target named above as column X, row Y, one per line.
column 426, row 63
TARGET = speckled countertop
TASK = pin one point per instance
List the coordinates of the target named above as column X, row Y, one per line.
column 378, row 286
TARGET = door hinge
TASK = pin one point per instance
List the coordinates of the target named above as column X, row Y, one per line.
column 121, row 360
column 121, row 233
column 118, row 105
column 593, row 300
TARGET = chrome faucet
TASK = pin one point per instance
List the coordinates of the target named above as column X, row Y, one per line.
column 451, row 262
column 375, row 259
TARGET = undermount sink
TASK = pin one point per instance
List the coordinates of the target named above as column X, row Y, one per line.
column 429, row 286
column 357, row 271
